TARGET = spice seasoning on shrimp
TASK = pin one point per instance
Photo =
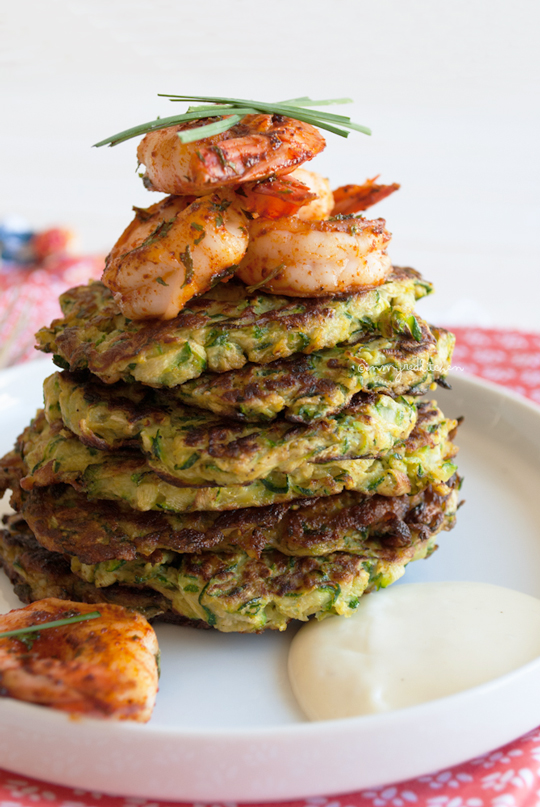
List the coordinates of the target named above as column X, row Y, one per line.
column 202, row 231
column 101, row 663
column 157, row 245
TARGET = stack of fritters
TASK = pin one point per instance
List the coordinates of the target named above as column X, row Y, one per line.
column 257, row 459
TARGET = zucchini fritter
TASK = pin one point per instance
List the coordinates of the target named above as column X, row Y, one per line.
column 37, row 573
column 221, row 330
column 197, row 447
column 53, row 455
column 228, row 591
column 97, row 530
column 306, row 388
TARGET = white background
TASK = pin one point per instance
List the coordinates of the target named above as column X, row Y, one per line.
column 450, row 89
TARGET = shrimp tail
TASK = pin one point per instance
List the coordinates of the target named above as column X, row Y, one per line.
column 355, row 198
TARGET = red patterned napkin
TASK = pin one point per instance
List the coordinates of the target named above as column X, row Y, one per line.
column 508, row 777
column 510, row 358
column 35, row 268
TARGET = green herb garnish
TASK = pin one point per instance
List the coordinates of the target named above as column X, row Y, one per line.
column 235, row 109
column 160, row 232
column 28, row 639
column 202, row 231
column 274, row 273
column 58, row 623
column 187, row 260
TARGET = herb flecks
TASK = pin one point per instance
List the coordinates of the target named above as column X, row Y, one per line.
column 142, row 213
column 230, row 111
column 199, row 228
column 28, row 639
column 220, row 207
column 187, row 260
column 156, row 445
column 221, row 156
column 160, row 232
column 273, row 274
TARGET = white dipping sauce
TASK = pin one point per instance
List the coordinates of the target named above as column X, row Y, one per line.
column 410, row 644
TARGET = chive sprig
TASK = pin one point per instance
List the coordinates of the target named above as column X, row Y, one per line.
column 58, row 623
column 235, row 109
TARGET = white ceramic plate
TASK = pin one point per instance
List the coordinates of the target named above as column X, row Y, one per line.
column 226, row 726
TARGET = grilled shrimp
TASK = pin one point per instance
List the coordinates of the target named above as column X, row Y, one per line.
column 258, row 147
column 315, row 258
column 103, row 667
column 173, row 251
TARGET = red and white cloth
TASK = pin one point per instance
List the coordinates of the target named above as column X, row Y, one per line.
column 510, row 358
column 35, row 268
column 29, row 300
column 508, row 777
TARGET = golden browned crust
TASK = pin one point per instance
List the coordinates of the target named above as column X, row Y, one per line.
column 222, row 329
column 55, row 455
column 36, row 573
column 65, row 520
column 196, row 447
column 308, row 387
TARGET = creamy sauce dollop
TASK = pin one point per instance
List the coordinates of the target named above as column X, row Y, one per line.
column 410, row 644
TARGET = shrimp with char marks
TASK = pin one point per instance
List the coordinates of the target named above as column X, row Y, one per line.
column 175, row 250
column 104, row 667
column 319, row 250
column 180, row 247
column 258, row 147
